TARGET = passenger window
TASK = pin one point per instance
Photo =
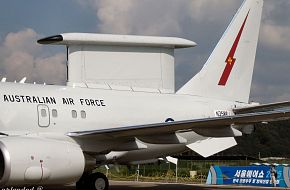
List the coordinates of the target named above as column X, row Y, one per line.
column 74, row 113
column 83, row 114
column 54, row 113
column 43, row 113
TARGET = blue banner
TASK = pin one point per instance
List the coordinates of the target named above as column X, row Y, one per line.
column 248, row 175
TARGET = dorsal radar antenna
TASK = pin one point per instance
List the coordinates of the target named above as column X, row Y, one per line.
column 142, row 63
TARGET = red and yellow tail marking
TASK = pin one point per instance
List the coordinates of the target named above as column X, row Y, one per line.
column 230, row 61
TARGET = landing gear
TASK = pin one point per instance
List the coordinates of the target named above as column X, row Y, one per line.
column 94, row 181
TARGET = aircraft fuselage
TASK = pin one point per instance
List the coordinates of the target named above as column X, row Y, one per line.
column 62, row 109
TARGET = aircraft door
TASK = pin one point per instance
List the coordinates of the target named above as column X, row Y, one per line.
column 43, row 115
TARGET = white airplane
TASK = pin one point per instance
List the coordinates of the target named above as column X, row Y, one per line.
column 119, row 106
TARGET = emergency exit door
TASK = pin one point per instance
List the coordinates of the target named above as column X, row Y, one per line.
column 43, row 115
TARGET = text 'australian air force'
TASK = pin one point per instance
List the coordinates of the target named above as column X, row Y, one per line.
column 53, row 100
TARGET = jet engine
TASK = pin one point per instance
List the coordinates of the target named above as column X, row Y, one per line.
column 34, row 160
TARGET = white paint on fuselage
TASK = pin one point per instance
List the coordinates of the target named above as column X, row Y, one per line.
column 118, row 109
column 122, row 108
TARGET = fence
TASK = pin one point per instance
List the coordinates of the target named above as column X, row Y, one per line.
column 165, row 172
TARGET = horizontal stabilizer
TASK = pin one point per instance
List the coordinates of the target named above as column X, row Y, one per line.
column 211, row 146
column 262, row 108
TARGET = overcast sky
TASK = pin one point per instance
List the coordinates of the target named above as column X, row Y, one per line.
column 203, row 21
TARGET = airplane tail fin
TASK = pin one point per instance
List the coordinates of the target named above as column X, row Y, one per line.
column 227, row 74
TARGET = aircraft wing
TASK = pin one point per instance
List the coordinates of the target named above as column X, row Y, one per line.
column 209, row 127
column 262, row 108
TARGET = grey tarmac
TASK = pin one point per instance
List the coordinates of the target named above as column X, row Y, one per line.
column 132, row 185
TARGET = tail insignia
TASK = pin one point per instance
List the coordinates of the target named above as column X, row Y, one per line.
column 230, row 61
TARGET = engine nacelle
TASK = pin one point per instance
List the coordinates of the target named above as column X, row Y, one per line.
column 28, row 160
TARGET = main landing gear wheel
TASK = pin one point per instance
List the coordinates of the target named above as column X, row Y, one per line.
column 98, row 181
column 94, row 181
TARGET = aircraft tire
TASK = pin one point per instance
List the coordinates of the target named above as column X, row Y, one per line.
column 97, row 181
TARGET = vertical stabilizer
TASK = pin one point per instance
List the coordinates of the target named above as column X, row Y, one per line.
column 227, row 74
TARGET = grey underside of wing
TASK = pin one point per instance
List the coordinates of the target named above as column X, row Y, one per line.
column 207, row 125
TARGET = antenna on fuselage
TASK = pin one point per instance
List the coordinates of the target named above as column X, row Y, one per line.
column 145, row 62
